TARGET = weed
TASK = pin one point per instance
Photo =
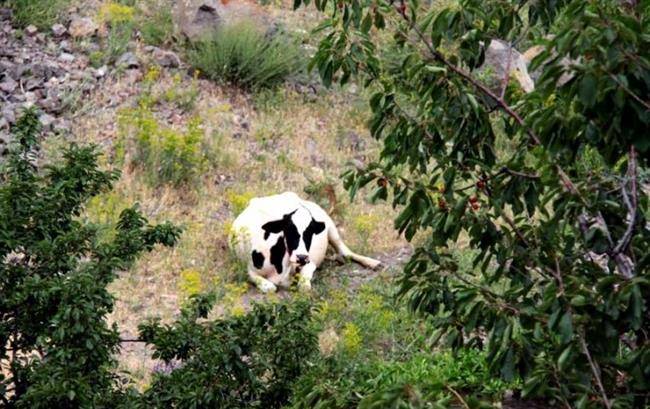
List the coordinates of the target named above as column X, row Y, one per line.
column 351, row 338
column 40, row 13
column 168, row 156
column 190, row 283
column 238, row 201
column 120, row 21
column 183, row 98
column 364, row 225
column 155, row 24
column 242, row 55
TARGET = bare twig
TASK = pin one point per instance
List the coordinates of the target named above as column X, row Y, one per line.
column 629, row 92
column 624, row 242
column 125, row 340
column 458, row 396
column 594, row 370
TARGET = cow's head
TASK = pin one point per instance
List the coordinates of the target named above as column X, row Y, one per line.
column 298, row 229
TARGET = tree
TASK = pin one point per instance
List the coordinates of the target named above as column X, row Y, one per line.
column 55, row 345
column 547, row 189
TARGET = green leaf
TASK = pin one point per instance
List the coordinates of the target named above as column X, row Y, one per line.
column 565, row 327
column 588, row 90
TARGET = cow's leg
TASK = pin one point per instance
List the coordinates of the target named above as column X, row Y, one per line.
column 305, row 276
column 343, row 250
column 262, row 283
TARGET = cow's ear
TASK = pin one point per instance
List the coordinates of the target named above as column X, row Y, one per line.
column 276, row 226
column 316, row 227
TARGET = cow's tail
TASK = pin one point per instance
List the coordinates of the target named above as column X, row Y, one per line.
column 343, row 250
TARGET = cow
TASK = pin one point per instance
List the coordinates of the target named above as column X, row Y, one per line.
column 279, row 235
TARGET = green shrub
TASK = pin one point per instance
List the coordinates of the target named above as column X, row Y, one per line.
column 240, row 362
column 155, row 24
column 244, row 56
column 41, row 13
column 375, row 353
column 56, row 348
column 166, row 155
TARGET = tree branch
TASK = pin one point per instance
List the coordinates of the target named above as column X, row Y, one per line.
column 594, row 370
column 624, row 242
column 570, row 186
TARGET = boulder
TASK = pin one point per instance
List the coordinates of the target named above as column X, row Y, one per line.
column 565, row 61
column 82, row 27
column 196, row 19
column 496, row 63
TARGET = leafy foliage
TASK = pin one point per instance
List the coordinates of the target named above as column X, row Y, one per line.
column 241, row 54
column 374, row 354
column 557, row 219
column 54, row 340
column 241, row 362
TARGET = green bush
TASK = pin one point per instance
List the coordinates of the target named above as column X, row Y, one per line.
column 242, row 55
column 166, row 155
column 373, row 351
column 41, row 13
column 56, row 348
column 240, row 362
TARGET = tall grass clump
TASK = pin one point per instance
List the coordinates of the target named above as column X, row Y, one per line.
column 119, row 19
column 155, row 24
column 243, row 55
column 40, row 13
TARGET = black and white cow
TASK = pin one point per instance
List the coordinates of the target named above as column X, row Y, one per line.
column 282, row 234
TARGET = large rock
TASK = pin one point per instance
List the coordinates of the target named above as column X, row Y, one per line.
column 565, row 61
column 196, row 19
column 498, row 57
column 82, row 27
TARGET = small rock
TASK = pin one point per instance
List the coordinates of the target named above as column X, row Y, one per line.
column 166, row 58
column 31, row 97
column 64, row 46
column 31, row 30
column 5, row 13
column 58, row 30
column 33, row 83
column 46, row 120
column 8, row 114
column 66, row 57
column 50, row 104
column 4, row 124
column 128, row 60
column 8, row 85
column 82, row 27
column 101, row 71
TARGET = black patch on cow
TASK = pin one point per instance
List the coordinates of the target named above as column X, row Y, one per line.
column 285, row 226
column 314, row 228
column 258, row 259
column 277, row 254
